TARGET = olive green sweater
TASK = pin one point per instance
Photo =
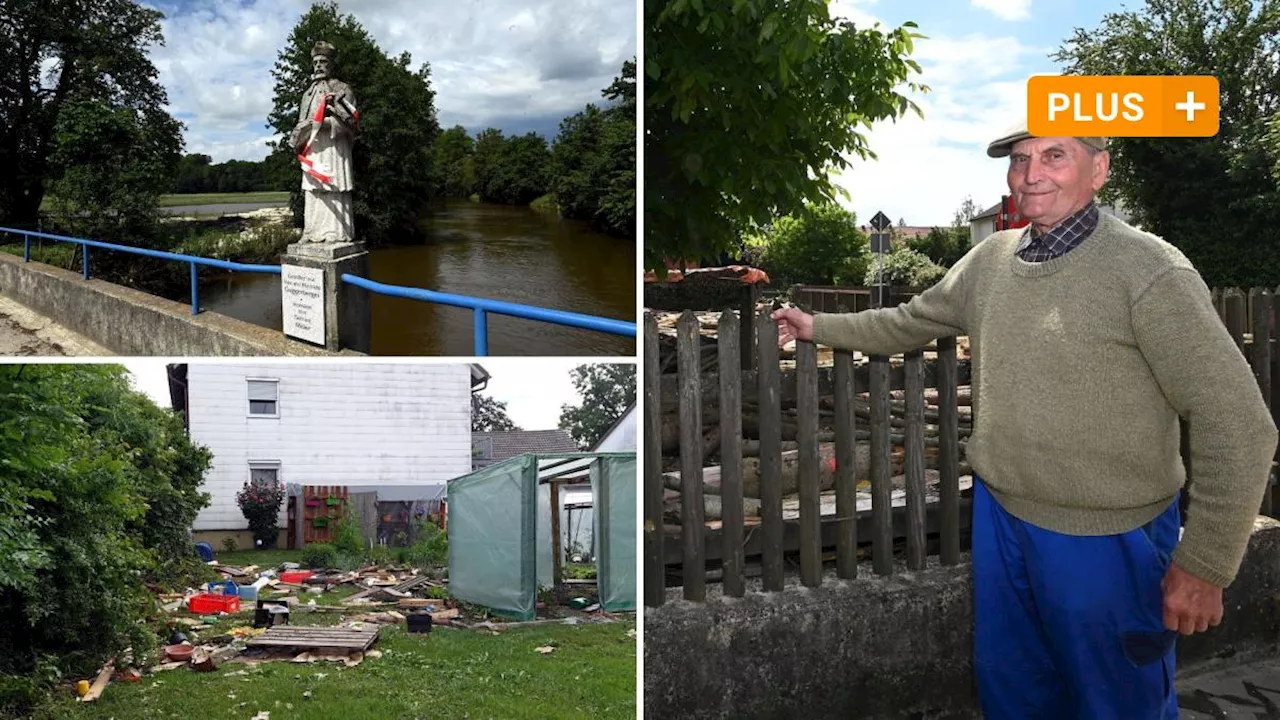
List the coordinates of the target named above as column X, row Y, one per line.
column 1081, row 366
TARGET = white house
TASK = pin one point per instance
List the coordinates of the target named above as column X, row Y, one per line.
column 394, row 427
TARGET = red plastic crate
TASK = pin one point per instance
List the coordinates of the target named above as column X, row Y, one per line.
column 295, row 576
column 210, row 603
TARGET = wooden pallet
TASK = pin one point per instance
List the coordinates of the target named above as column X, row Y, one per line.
column 317, row 637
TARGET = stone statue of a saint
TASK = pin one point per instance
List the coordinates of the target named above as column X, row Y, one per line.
column 323, row 139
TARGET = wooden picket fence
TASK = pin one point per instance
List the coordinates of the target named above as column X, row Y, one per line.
column 1248, row 316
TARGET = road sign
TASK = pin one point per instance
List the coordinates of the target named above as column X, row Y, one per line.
column 881, row 221
column 880, row 242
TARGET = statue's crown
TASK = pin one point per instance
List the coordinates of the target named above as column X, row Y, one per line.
column 323, row 48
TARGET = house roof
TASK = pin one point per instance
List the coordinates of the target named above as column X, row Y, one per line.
column 989, row 212
column 505, row 445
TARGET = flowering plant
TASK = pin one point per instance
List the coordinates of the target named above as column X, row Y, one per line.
column 260, row 500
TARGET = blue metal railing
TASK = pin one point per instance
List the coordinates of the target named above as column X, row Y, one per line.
column 194, row 260
column 483, row 306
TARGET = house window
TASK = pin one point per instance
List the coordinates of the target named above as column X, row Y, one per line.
column 264, row 472
column 263, row 398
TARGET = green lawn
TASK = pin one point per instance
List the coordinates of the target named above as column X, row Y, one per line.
column 450, row 673
column 204, row 199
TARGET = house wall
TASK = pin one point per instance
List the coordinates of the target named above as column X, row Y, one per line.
column 339, row 424
column 623, row 437
column 980, row 228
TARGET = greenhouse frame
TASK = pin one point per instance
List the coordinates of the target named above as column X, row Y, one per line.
column 500, row 529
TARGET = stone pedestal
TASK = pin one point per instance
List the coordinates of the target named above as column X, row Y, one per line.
column 347, row 319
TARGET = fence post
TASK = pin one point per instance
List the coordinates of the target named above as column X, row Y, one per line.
column 482, row 333
column 731, row 511
column 1261, row 301
column 195, row 289
column 746, row 327
column 769, row 378
column 807, row 481
column 84, row 260
column 654, row 533
column 913, row 386
column 846, row 471
column 1233, row 299
column 881, row 477
column 948, row 450
column 688, row 352
column 26, row 247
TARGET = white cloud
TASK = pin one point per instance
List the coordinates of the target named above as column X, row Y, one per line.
column 533, row 389
column 1006, row 9
column 493, row 62
column 926, row 167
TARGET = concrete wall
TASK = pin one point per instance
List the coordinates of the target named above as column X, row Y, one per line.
column 365, row 424
column 130, row 322
column 880, row 648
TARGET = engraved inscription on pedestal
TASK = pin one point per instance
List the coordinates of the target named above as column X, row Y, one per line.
column 302, row 299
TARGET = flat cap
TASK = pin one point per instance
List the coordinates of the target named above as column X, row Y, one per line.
column 1002, row 146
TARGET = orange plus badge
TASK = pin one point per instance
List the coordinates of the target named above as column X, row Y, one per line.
column 1122, row 105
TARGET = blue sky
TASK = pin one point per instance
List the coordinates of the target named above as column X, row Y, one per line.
column 518, row 65
column 976, row 60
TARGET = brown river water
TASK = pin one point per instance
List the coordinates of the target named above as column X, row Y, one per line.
column 492, row 251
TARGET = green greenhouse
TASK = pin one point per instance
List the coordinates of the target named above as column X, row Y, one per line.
column 501, row 538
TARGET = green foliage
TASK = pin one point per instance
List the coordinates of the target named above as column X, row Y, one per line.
column 112, row 163
column 430, row 546
column 511, row 170
column 594, row 160
column 820, row 245
column 98, row 490
column 197, row 174
column 259, row 500
column 345, row 535
column 1215, row 198
column 319, row 556
column 77, row 76
column 398, row 125
column 607, row 390
column 453, row 172
column 944, row 246
column 905, row 267
column 488, row 415
column 749, row 107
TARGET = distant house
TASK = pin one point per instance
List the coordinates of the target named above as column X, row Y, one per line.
column 402, row 430
column 902, row 234
column 489, row 448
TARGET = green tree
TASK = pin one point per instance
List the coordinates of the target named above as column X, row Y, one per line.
column 487, row 159
column 749, row 106
column 606, row 391
column 98, row 490
column 522, row 173
column 943, row 245
column 1215, row 198
column 398, row 123
column 489, row 415
column 452, row 166
column 820, row 245
column 75, row 78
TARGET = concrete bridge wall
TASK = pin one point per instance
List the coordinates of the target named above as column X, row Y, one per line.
column 897, row 647
column 130, row 322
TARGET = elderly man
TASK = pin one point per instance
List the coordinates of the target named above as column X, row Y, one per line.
column 1089, row 338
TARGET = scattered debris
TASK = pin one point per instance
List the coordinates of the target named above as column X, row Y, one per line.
column 545, row 649
column 100, row 683
column 318, row 637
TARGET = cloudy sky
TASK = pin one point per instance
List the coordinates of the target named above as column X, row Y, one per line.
column 533, row 388
column 976, row 61
column 518, row 65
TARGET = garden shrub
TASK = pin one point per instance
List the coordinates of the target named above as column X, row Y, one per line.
column 98, row 490
column 345, row 535
column 905, row 267
column 430, row 547
column 259, row 500
column 319, row 556
column 820, row 245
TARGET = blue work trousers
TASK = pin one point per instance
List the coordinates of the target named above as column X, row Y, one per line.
column 1071, row 626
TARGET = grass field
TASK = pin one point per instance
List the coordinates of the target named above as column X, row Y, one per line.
column 204, row 199
column 449, row 673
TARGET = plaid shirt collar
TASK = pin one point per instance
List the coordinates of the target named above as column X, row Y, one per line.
column 1035, row 247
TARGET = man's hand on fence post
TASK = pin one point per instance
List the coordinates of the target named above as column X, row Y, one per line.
column 793, row 324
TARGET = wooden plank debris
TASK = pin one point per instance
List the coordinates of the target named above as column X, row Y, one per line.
column 100, row 683
column 317, row 637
